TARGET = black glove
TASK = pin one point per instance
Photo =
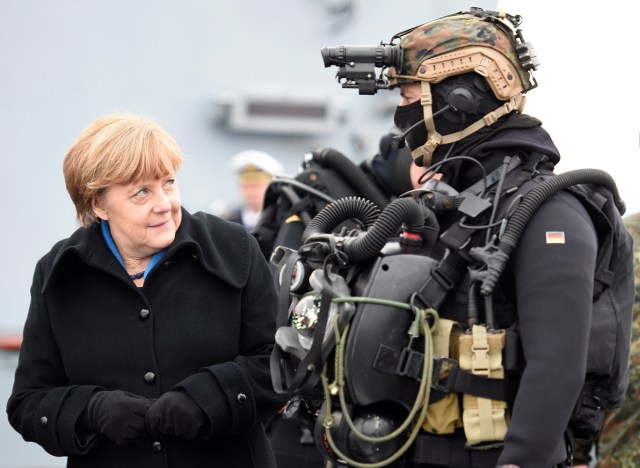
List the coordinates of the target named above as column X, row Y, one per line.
column 117, row 415
column 176, row 414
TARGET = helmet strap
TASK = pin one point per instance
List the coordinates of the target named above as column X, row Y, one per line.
column 516, row 103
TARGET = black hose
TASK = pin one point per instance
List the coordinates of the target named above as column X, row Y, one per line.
column 341, row 210
column 539, row 194
column 353, row 174
column 358, row 249
column 386, row 226
column 497, row 260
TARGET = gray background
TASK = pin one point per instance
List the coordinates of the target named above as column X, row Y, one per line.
column 64, row 63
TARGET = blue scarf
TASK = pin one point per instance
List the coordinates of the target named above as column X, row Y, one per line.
column 106, row 232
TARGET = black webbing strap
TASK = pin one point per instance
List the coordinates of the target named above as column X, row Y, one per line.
column 465, row 382
column 313, row 361
column 449, row 271
column 518, row 172
column 300, row 207
column 281, row 362
column 451, row 450
column 445, row 275
column 442, row 279
column 411, row 363
column 493, row 177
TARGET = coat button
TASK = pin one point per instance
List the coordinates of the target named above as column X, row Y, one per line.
column 149, row 377
column 44, row 420
column 242, row 398
column 144, row 314
column 156, row 446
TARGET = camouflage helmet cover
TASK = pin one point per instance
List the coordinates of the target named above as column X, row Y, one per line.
column 455, row 32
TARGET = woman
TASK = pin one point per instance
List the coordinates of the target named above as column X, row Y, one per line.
column 148, row 337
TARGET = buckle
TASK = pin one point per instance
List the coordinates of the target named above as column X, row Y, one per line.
column 410, row 364
column 490, row 119
column 447, row 383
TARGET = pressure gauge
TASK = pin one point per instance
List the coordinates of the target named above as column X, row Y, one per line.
column 298, row 276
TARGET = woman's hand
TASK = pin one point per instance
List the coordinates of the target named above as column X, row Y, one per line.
column 176, row 414
column 117, row 415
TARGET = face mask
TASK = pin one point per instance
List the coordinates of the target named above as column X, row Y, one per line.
column 405, row 117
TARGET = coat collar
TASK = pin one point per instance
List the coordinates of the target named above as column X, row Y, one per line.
column 222, row 248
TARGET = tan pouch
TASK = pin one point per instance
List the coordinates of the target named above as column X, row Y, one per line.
column 484, row 420
column 443, row 416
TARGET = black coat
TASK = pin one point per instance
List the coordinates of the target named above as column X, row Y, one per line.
column 203, row 322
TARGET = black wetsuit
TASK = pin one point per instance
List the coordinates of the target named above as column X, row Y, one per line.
column 547, row 290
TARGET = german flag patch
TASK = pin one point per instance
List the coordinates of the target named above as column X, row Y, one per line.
column 555, row 237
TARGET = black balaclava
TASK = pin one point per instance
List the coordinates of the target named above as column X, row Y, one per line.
column 478, row 101
column 465, row 98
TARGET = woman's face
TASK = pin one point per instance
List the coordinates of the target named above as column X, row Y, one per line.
column 143, row 217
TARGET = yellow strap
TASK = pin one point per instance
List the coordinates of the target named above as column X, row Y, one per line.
column 485, row 413
column 492, row 117
column 442, row 337
column 434, row 139
column 426, row 99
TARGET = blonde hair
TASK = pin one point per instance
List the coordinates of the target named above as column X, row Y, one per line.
column 116, row 149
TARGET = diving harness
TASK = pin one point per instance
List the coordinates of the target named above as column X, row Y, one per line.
column 359, row 339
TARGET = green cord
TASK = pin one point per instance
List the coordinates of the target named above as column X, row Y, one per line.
column 423, row 392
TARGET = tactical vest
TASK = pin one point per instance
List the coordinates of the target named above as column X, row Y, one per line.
column 607, row 375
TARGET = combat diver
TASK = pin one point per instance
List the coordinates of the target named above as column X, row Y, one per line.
column 462, row 81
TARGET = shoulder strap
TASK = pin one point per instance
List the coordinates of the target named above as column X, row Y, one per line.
column 449, row 271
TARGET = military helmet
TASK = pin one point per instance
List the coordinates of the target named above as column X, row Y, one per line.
column 475, row 41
